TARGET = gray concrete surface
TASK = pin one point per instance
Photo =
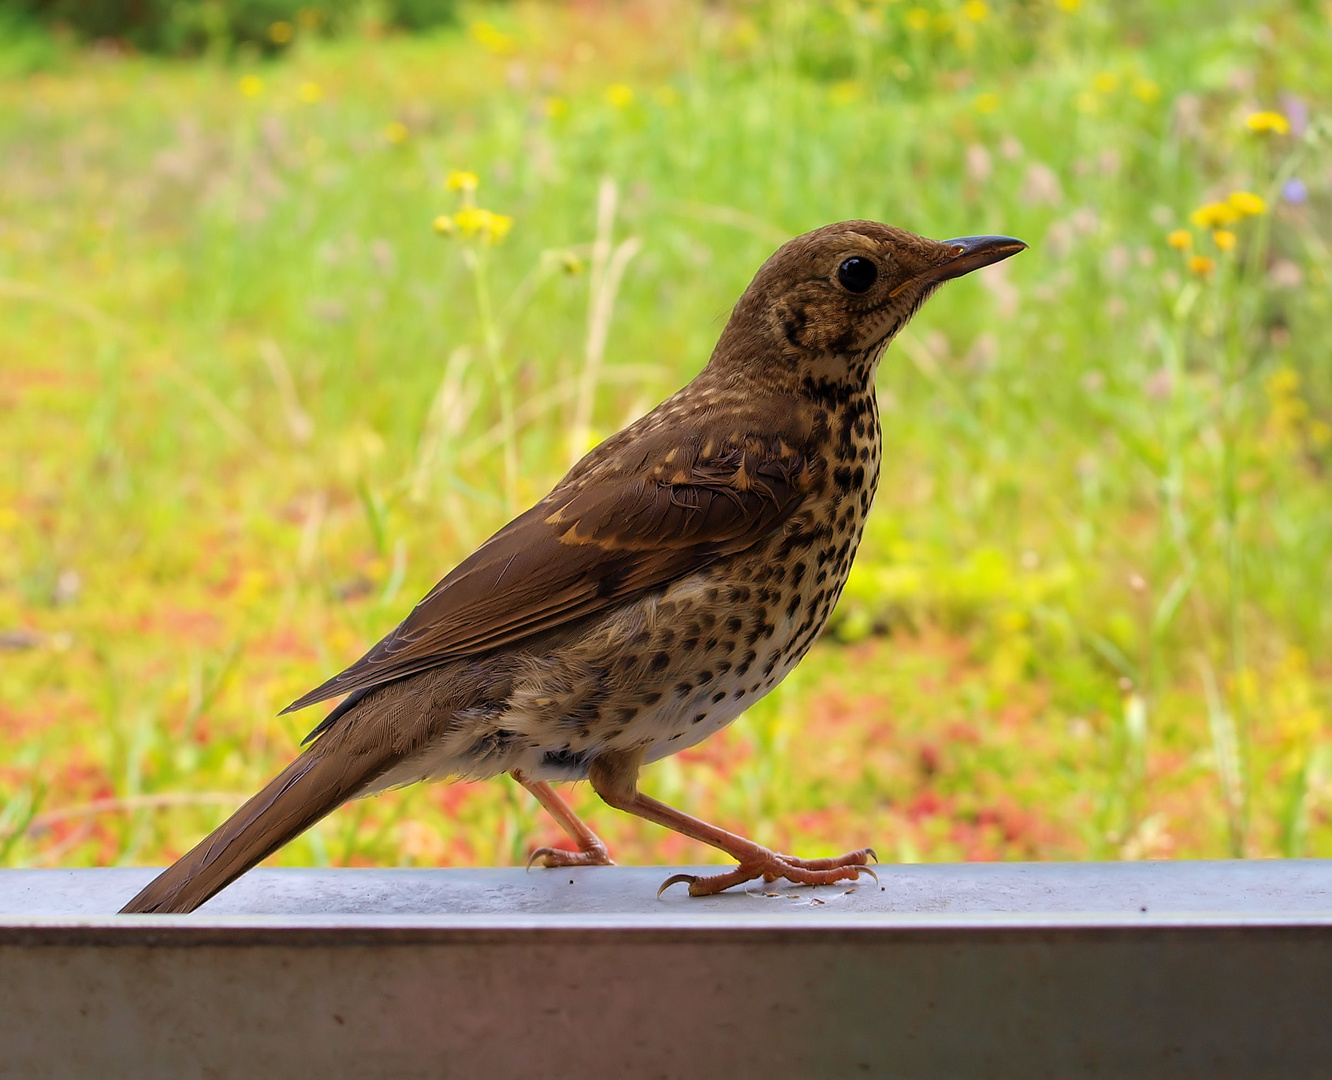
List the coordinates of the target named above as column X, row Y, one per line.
column 1078, row 893
column 1146, row 970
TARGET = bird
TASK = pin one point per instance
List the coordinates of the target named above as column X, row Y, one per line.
column 673, row 577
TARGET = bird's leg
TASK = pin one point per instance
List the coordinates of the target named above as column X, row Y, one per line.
column 591, row 848
column 614, row 777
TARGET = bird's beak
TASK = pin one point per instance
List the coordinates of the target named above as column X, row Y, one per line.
column 972, row 252
column 968, row 253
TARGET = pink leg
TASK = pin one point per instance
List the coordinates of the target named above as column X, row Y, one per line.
column 591, row 848
column 615, row 779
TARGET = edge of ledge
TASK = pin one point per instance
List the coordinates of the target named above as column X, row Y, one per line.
column 183, row 931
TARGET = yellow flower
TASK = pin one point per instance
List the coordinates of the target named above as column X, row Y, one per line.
column 556, row 107
column 943, row 22
column 308, row 17
column 443, row 224
column 251, row 85
column 1246, row 203
column 309, row 92
column 396, row 132
column 918, row 19
column 470, row 219
column 1070, row 5
column 1224, row 239
column 844, row 92
column 280, row 33
column 1213, row 215
column 461, row 181
column 1105, row 82
column 489, row 36
column 1146, row 90
column 492, row 227
column 976, row 10
column 1181, row 239
column 1266, row 121
column 619, row 95
column 986, row 103
column 1201, row 265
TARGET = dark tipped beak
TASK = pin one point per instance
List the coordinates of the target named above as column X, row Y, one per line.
column 972, row 252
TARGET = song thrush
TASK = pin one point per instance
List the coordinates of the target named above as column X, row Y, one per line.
column 672, row 578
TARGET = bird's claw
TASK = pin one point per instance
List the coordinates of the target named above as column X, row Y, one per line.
column 770, row 866
column 550, row 857
column 676, row 879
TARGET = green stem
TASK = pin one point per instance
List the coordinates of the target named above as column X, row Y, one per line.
column 490, row 337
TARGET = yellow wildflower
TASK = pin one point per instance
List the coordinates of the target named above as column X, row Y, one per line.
column 1266, row 121
column 443, row 224
column 1180, row 239
column 1283, row 382
column 492, row 227
column 396, row 132
column 918, row 19
column 1224, row 239
column 250, row 85
column 556, row 107
column 1105, row 82
column 458, row 180
column 309, row 92
column 1201, row 265
column 471, row 219
column 986, row 103
column 1246, row 203
column 489, row 36
column 976, row 10
column 943, row 22
column 280, row 33
column 619, row 95
column 1070, row 5
column 1146, row 90
column 844, row 92
column 1214, row 215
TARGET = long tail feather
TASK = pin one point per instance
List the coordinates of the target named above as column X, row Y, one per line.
column 310, row 787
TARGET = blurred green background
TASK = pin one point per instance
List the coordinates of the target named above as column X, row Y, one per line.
column 270, row 364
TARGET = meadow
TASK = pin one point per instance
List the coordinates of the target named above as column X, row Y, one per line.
column 282, row 339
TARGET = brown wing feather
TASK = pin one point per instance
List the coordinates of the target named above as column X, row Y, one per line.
column 585, row 547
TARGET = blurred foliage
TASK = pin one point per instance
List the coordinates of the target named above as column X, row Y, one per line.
column 281, row 343
column 184, row 27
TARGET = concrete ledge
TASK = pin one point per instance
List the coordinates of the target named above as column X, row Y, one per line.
column 1001, row 970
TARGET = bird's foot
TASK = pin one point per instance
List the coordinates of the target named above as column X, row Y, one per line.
column 770, row 866
column 550, row 857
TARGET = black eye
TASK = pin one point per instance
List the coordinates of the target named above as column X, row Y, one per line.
column 857, row 275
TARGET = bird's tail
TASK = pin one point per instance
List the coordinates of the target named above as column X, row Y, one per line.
column 313, row 785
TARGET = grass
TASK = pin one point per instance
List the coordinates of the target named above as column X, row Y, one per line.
column 252, row 405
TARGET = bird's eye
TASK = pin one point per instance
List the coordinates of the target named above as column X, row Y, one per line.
column 857, row 275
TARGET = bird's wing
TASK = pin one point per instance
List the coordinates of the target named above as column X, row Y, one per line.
column 584, row 548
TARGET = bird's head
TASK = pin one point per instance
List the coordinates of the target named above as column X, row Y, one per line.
column 829, row 301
